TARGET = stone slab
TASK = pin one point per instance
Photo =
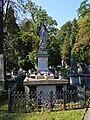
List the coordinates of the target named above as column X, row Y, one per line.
column 35, row 82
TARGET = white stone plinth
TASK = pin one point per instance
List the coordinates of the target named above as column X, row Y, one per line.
column 42, row 61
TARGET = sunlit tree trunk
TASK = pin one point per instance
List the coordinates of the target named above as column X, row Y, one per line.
column 1, row 25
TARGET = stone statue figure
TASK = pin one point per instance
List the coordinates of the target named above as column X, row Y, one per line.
column 42, row 33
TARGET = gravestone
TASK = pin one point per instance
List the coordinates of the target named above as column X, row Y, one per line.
column 73, row 63
column 84, row 75
column 42, row 53
column 1, row 72
column 45, row 82
column 83, row 68
column 73, row 71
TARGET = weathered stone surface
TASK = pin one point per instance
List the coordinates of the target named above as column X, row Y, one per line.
column 42, row 61
column 30, row 82
column 1, row 72
column 73, row 63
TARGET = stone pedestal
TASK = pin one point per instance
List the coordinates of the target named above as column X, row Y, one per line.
column 37, row 86
column 42, row 60
column 2, row 81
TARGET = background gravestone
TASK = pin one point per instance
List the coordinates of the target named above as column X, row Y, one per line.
column 73, row 63
column 83, row 68
column 73, row 71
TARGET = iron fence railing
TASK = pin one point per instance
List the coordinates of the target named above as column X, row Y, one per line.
column 38, row 101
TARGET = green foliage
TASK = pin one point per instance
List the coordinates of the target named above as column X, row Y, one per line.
column 21, row 42
column 10, row 22
column 63, row 72
column 64, row 41
column 74, row 31
column 3, row 105
column 53, row 49
column 66, row 51
column 33, row 57
column 82, row 46
column 28, row 34
column 84, row 8
column 17, row 6
column 63, row 32
column 19, row 80
column 10, row 40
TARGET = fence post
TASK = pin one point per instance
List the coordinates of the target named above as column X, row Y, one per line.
column 51, row 100
column 63, row 98
column 39, row 101
column 9, row 100
column 84, row 96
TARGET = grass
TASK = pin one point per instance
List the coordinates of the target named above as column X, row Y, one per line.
column 59, row 115
column 88, row 92
column 3, row 105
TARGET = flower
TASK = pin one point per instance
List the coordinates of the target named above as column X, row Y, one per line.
column 33, row 105
column 44, row 74
column 49, row 73
column 33, row 99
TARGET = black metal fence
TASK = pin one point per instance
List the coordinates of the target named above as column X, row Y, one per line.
column 40, row 101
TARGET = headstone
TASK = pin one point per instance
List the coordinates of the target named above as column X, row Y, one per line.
column 1, row 72
column 74, row 80
column 73, row 63
column 83, row 68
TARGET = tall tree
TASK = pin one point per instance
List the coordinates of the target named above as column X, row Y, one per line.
column 1, row 25
column 10, row 23
column 74, row 31
column 64, row 41
column 16, row 4
column 84, row 8
column 82, row 47
column 10, row 39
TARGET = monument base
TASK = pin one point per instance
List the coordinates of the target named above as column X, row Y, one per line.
column 42, row 60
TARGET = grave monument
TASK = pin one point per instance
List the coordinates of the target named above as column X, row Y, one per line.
column 42, row 52
column 73, row 71
column 43, row 80
column 79, row 75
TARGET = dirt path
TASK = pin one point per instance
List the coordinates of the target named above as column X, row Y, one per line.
column 87, row 115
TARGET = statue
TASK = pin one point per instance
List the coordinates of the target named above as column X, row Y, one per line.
column 42, row 33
